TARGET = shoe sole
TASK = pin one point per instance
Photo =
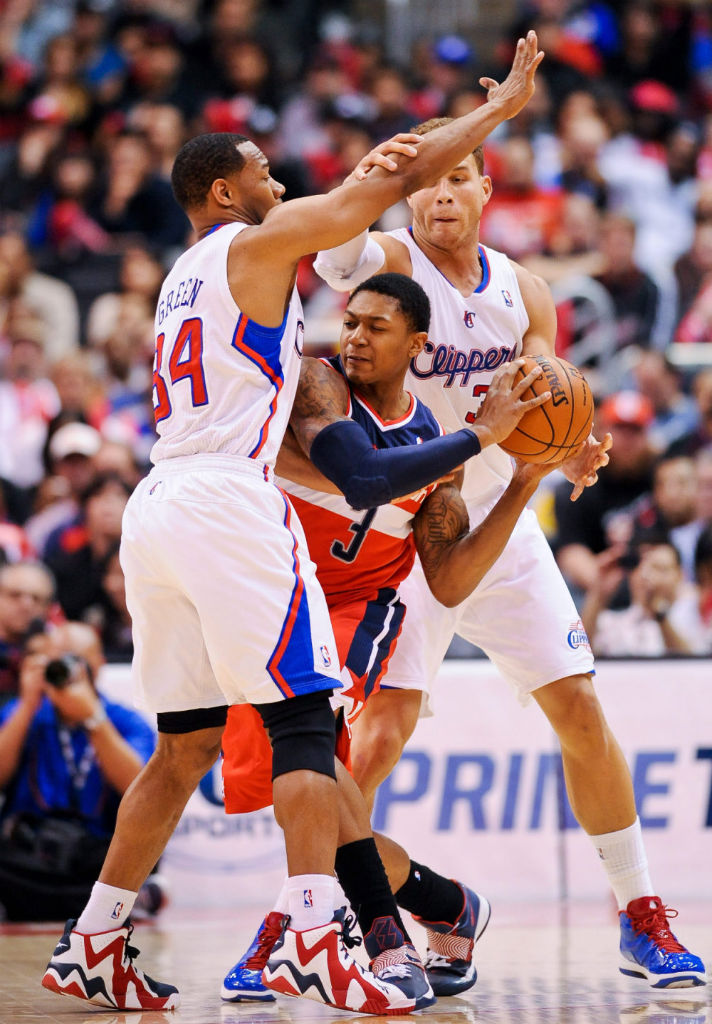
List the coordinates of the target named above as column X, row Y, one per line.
column 230, row 995
column 690, row 980
column 282, row 986
column 73, row 989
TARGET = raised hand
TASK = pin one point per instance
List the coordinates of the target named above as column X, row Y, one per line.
column 518, row 87
column 405, row 144
column 503, row 406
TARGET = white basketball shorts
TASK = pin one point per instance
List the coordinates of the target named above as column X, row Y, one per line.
column 223, row 596
column 521, row 615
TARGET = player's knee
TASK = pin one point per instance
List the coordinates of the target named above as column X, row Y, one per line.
column 188, row 756
column 579, row 721
column 302, row 731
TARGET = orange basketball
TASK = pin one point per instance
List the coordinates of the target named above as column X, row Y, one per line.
column 554, row 430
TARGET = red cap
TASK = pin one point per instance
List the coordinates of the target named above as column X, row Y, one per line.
column 652, row 95
column 628, row 408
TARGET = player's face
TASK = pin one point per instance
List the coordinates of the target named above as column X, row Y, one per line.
column 449, row 211
column 377, row 341
column 258, row 189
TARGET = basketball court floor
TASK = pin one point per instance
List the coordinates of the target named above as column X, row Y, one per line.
column 538, row 964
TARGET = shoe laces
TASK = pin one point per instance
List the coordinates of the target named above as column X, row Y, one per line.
column 436, row 960
column 654, row 923
column 130, row 952
column 394, row 971
column 267, row 938
column 347, row 937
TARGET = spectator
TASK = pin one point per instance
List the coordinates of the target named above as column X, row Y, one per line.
column 701, row 436
column 66, row 757
column 671, row 504
column 676, row 413
column 26, row 595
column 685, row 537
column 520, row 217
column 28, row 402
column 694, row 269
column 51, row 300
column 134, row 199
column 76, row 554
column 603, row 515
column 111, row 617
column 70, row 454
column 634, row 294
column 657, row 621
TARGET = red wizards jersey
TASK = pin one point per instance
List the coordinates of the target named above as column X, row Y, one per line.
column 357, row 552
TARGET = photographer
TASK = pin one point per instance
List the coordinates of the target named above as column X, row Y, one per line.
column 66, row 757
column 26, row 595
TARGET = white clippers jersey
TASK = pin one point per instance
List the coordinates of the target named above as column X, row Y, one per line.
column 221, row 382
column 468, row 340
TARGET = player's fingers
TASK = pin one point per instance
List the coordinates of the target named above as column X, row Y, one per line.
column 488, row 83
column 532, row 403
column 380, row 160
column 526, row 382
column 505, row 374
column 397, row 147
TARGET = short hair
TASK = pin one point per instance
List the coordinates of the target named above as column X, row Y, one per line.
column 30, row 563
column 412, row 301
column 425, row 127
column 200, row 162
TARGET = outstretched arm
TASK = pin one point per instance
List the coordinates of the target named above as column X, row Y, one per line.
column 368, row 477
column 306, row 225
column 454, row 558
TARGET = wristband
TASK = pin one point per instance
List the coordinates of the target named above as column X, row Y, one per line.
column 95, row 720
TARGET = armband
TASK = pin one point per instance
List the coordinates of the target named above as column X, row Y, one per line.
column 350, row 264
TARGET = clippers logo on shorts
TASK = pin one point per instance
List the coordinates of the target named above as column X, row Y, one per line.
column 325, row 656
column 308, row 898
column 508, row 300
column 469, row 318
column 577, row 636
column 116, row 912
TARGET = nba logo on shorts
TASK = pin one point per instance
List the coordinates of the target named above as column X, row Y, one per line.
column 508, row 300
column 116, row 912
column 469, row 318
column 308, row 898
column 325, row 656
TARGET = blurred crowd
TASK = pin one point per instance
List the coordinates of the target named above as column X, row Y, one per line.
column 602, row 185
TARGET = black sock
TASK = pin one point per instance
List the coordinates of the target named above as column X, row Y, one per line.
column 363, row 878
column 430, row 896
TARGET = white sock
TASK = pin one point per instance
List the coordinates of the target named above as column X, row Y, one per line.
column 625, row 863
column 107, row 909
column 281, row 905
column 311, row 901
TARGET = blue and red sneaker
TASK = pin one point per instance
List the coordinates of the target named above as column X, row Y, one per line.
column 448, row 961
column 244, row 981
column 394, row 960
column 650, row 950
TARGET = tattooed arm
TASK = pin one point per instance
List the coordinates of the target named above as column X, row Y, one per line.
column 455, row 558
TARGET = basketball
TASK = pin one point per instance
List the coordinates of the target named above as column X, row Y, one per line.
column 554, row 430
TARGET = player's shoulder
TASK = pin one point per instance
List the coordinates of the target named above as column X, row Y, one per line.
column 533, row 288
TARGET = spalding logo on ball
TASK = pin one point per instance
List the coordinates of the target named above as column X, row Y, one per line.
column 552, row 431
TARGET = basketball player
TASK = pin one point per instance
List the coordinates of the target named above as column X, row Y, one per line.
column 361, row 559
column 221, row 592
column 487, row 310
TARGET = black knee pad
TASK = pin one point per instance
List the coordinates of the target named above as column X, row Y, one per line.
column 302, row 731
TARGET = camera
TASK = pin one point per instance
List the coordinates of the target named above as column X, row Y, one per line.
column 60, row 671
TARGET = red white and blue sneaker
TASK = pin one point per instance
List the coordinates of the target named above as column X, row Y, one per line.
column 244, row 981
column 448, row 961
column 650, row 950
column 396, row 961
column 100, row 968
column 316, row 964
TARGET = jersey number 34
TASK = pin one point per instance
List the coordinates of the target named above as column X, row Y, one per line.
column 184, row 362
